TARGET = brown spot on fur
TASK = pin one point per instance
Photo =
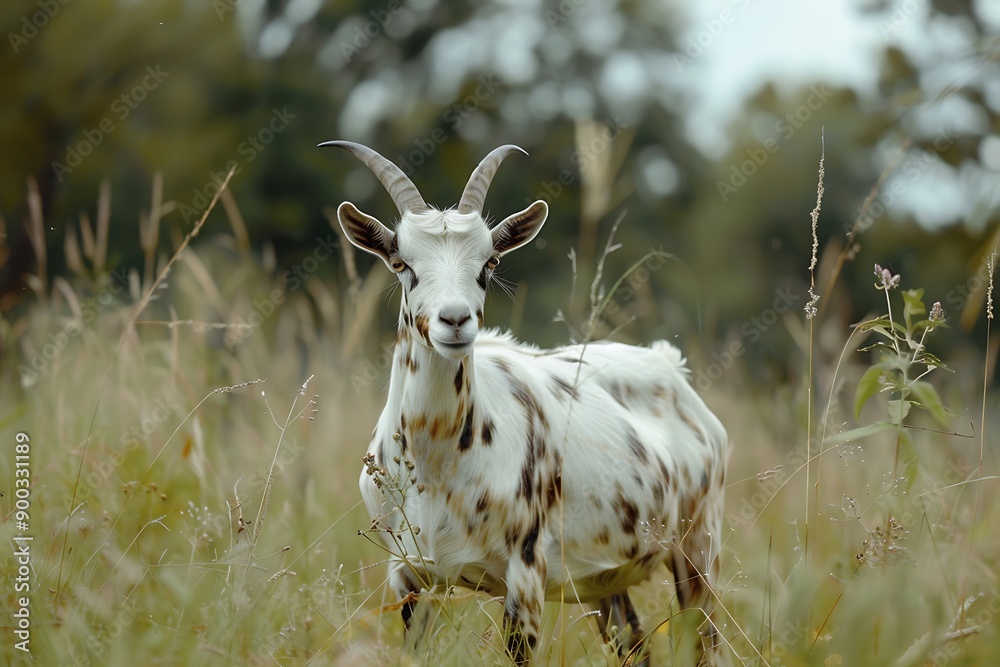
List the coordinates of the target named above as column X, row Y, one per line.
column 487, row 434
column 510, row 536
column 664, row 473
column 527, row 478
column 658, row 492
column 616, row 393
column 561, row 386
column 603, row 537
column 460, row 377
column 420, row 422
column 553, row 489
column 635, row 446
column 479, row 317
column 631, row 551
column 423, row 328
column 483, row 502
column 628, row 511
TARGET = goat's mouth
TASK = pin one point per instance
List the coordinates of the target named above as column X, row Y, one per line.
column 453, row 349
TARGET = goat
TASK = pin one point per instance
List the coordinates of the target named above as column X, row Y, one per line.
column 526, row 473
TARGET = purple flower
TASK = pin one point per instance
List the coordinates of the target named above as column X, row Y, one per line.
column 886, row 279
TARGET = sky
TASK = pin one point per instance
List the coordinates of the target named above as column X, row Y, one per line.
column 735, row 46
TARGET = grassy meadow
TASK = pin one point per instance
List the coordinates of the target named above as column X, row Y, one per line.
column 196, row 431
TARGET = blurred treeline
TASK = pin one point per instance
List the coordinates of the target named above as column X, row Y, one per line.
column 120, row 91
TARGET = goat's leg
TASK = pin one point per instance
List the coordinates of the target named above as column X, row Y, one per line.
column 405, row 589
column 695, row 568
column 618, row 616
column 522, row 614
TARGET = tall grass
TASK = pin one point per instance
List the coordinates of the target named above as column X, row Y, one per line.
column 200, row 506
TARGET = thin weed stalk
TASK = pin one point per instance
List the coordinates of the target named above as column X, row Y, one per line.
column 107, row 375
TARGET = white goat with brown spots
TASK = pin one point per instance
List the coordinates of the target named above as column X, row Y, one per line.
column 526, row 473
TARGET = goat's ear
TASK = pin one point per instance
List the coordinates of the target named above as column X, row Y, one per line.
column 365, row 232
column 519, row 228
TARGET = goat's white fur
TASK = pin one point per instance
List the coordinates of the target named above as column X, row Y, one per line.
column 532, row 474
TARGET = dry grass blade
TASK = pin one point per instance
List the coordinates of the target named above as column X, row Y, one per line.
column 128, row 328
column 103, row 225
column 36, row 232
column 236, row 222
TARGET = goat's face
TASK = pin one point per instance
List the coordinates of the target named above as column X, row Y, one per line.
column 443, row 259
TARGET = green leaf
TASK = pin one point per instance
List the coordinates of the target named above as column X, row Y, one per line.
column 868, row 385
column 898, row 409
column 878, row 345
column 908, row 456
column 927, row 398
column 931, row 360
column 881, row 325
column 913, row 303
column 861, row 432
column 923, row 324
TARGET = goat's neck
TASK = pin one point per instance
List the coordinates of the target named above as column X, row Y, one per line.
column 433, row 398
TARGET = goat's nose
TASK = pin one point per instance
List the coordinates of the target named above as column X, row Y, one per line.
column 455, row 315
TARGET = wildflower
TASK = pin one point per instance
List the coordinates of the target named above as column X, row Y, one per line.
column 887, row 280
column 937, row 313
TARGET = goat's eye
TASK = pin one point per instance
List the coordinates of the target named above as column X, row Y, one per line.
column 493, row 262
column 397, row 264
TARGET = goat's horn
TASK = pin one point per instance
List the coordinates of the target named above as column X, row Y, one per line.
column 479, row 183
column 402, row 190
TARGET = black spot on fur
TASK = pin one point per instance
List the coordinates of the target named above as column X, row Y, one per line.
column 460, row 378
column 487, row 432
column 465, row 440
column 407, row 613
column 528, row 546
